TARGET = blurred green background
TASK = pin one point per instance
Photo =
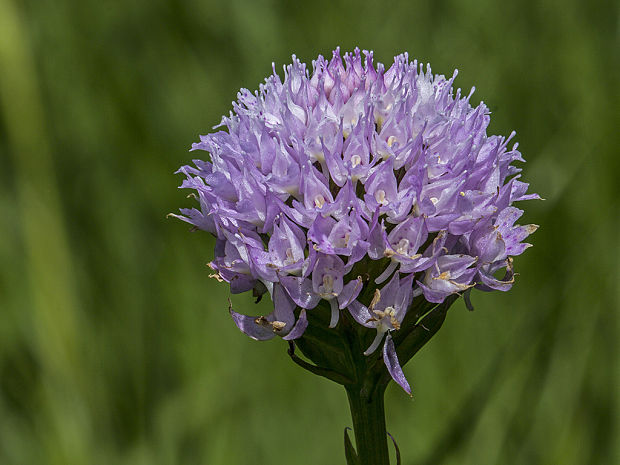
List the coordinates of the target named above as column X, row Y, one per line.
column 116, row 348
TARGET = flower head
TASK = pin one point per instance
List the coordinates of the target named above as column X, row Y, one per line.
column 325, row 183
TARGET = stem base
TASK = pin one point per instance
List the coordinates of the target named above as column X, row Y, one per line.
column 368, row 415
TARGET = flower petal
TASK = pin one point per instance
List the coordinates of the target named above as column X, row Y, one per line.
column 391, row 362
column 283, row 307
column 360, row 313
column 300, row 290
column 299, row 328
column 350, row 292
column 248, row 325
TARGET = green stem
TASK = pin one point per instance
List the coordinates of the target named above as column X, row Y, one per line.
column 368, row 414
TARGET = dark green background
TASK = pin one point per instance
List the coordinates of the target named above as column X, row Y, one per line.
column 116, row 348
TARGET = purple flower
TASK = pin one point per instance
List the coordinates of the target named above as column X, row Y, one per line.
column 327, row 283
column 385, row 314
column 449, row 274
column 324, row 183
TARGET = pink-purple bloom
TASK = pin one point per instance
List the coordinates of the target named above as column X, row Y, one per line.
column 349, row 167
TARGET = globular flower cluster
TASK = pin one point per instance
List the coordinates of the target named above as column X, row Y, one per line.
column 355, row 182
